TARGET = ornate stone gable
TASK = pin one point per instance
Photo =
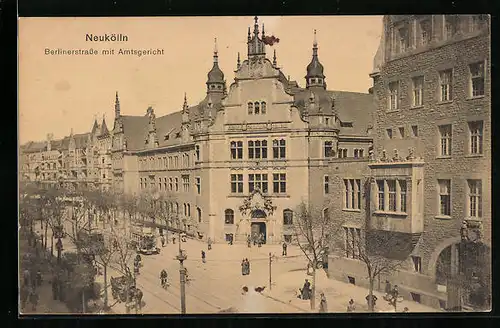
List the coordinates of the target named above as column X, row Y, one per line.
column 257, row 201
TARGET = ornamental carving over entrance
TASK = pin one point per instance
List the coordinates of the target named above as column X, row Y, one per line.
column 257, row 202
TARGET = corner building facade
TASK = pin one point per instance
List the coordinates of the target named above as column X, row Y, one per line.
column 241, row 160
column 430, row 175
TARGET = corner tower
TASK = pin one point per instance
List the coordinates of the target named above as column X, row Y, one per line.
column 315, row 76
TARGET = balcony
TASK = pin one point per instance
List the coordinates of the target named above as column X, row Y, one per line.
column 396, row 189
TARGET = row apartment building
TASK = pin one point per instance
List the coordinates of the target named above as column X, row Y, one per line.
column 429, row 181
column 75, row 160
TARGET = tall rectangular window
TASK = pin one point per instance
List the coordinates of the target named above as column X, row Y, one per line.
column 476, row 137
column 418, row 91
column 391, row 186
column 198, row 185
column 444, row 197
column 185, row 182
column 445, row 85
column 477, row 74
column 425, row 32
column 358, row 193
column 445, row 140
column 381, row 195
column 352, row 242
column 328, row 149
column 237, row 183
column 170, row 184
column 279, row 148
column 403, row 39
column 393, row 95
column 257, row 149
column 475, row 198
column 197, row 152
column 236, row 149
column 258, row 181
column 176, row 184
column 326, row 184
column 279, row 183
column 402, row 195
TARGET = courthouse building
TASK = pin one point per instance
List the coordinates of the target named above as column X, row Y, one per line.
column 429, row 184
column 243, row 158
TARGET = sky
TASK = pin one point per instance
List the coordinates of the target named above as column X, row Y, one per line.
column 58, row 93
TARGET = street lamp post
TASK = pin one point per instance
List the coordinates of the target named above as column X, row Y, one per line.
column 181, row 257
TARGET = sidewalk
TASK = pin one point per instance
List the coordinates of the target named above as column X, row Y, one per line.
column 337, row 294
column 46, row 303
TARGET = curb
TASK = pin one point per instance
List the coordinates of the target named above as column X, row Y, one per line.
column 283, row 302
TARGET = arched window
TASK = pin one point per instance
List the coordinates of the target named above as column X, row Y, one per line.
column 250, row 108
column 257, row 108
column 189, row 210
column 263, row 107
column 198, row 212
column 185, row 209
column 287, row 217
column 176, row 208
column 229, row 216
column 326, row 214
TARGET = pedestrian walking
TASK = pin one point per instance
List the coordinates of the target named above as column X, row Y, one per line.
column 388, row 289
column 371, row 301
column 162, row 241
column 209, row 243
column 323, row 308
column 284, row 249
column 203, row 256
column 38, row 278
column 33, row 298
column 243, row 267
column 26, row 277
column 351, row 307
column 247, row 266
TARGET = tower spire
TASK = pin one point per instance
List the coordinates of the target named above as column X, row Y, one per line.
column 216, row 56
column 274, row 59
column 315, row 45
column 263, row 32
column 185, row 105
column 238, row 62
column 249, row 36
column 117, row 105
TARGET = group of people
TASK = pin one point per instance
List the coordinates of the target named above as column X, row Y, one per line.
column 245, row 267
column 305, row 292
column 29, row 288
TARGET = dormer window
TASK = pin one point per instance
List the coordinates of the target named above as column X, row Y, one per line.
column 219, row 87
column 167, row 137
column 256, row 108
column 263, row 107
column 327, row 121
column 250, row 108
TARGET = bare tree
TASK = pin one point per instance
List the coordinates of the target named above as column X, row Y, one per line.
column 312, row 232
column 122, row 256
column 377, row 250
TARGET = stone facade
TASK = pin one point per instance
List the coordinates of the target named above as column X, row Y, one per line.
column 427, row 108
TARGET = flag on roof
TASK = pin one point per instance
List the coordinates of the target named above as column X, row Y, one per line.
column 270, row 40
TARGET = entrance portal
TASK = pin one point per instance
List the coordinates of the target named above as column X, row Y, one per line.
column 259, row 228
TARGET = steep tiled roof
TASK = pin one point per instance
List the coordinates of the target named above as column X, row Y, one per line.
column 354, row 107
column 104, row 128
column 135, row 129
column 81, row 140
column 351, row 107
column 169, row 124
column 33, row 146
